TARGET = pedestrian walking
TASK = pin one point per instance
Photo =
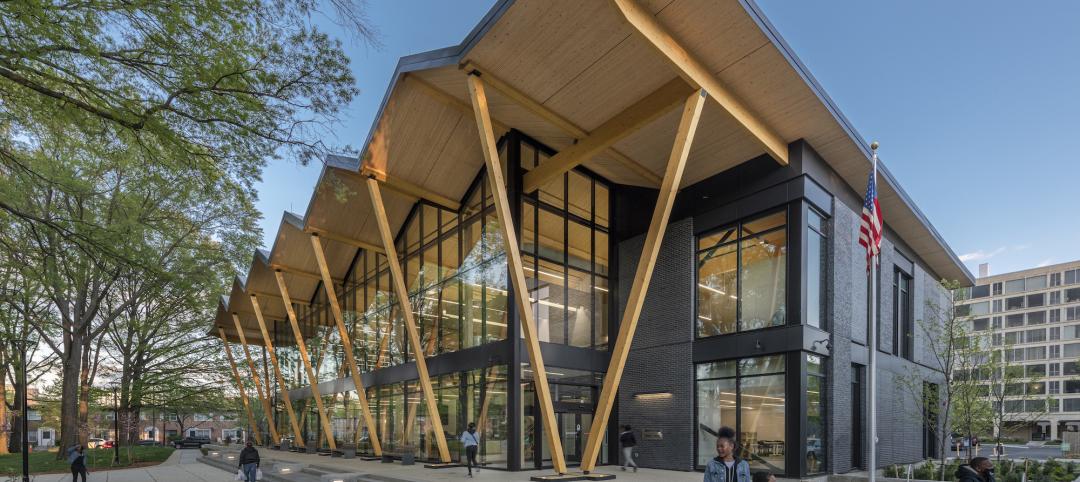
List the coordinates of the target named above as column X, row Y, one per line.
column 628, row 442
column 471, row 440
column 77, row 459
column 725, row 467
column 981, row 469
column 975, row 443
column 249, row 462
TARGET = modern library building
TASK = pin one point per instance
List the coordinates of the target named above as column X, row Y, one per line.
column 586, row 215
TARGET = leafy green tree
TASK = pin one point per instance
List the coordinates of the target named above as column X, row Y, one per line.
column 132, row 135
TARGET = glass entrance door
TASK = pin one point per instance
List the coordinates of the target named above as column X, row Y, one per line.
column 574, row 406
column 575, row 429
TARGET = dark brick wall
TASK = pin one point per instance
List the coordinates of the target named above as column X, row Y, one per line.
column 660, row 357
column 900, row 427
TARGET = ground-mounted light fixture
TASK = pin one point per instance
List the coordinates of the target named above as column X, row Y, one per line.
column 653, row 396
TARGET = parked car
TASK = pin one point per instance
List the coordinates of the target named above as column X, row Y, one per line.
column 95, row 443
column 191, row 442
column 149, row 442
column 108, row 444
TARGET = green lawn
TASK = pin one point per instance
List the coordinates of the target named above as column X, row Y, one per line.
column 96, row 459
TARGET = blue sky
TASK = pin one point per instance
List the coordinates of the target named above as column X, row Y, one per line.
column 974, row 102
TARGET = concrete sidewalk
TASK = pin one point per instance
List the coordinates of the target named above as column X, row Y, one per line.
column 181, row 466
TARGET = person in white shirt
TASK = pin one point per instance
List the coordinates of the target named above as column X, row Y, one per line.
column 471, row 440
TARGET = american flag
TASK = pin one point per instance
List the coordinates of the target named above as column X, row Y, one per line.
column 870, row 227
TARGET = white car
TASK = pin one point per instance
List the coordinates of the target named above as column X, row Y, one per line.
column 95, row 443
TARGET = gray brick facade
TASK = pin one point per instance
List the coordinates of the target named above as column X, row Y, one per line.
column 660, row 358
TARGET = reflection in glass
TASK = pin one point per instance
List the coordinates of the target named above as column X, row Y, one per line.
column 742, row 276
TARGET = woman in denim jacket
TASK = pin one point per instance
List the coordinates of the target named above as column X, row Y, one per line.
column 725, row 467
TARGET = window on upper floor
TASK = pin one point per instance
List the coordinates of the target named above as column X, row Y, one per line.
column 903, row 321
column 980, row 324
column 1014, row 337
column 997, row 288
column 1072, row 295
column 1055, row 298
column 817, row 243
column 980, row 291
column 1036, row 300
column 1013, row 321
column 1035, row 283
column 1035, row 336
column 742, row 276
column 1072, row 276
column 1054, row 315
column 1055, row 279
column 1014, row 286
column 978, row 309
column 1036, row 318
column 1014, row 303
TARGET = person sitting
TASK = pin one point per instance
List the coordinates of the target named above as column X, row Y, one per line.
column 981, row 469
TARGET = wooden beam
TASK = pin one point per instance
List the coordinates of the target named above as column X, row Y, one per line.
column 684, row 137
column 557, row 120
column 264, row 397
column 341, row 238
column 271, row 295
column 277, row 372
column 641, row 113
column 517, row 271
column 346, row 341
column 240, row 386
column 328, row 431
column 302, row 273
column 398, row 280
column 697, row 75
column 409, row 189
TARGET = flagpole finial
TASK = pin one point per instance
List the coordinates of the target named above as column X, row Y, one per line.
column 873, row 146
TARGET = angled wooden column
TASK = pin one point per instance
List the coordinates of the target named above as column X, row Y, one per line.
column 398, row 280
column 302, row 348
column 684, row 137
column 517, row 271
column 240, row 386
column 277, row 372
column 346, row 341
column 264, row 398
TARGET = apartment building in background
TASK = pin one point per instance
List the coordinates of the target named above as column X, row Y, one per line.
column 1033, row 317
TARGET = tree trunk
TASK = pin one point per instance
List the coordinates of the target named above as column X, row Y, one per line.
column 16, row 420
column 70, row 431
column 3, row 408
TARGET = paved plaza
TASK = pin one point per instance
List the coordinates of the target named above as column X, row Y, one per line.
column 184, row 466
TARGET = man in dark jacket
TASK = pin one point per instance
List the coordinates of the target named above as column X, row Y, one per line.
column 249, row 462
column 981, row 469
column 628, row 442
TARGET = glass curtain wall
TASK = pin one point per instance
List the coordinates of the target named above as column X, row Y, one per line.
column 476, row 396
column 742, row 271
column 565, row 242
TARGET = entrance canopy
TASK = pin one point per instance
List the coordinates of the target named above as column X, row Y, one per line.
column 602, row 82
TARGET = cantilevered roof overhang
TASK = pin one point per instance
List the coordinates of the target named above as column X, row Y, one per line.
column 561, row 69
column 603, row 83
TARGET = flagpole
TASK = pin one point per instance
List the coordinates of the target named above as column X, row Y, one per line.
column 872, row 344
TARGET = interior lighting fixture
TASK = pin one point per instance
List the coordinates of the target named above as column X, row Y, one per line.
column 653, row 396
